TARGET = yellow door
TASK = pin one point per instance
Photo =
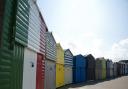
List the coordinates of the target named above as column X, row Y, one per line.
column 59, row 75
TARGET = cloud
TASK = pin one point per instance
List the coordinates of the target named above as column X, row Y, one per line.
column 87, row 46
column 72, row 45
column 119, row 51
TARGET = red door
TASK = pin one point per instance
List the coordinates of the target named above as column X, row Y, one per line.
column 40, row 72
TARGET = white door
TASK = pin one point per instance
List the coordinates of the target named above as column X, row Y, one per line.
column 68, row 75
column 29, row 70
column 50, row 74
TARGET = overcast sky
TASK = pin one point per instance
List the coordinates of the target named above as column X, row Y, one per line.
column 99, row 27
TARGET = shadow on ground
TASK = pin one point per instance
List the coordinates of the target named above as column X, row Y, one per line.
column 86, row 83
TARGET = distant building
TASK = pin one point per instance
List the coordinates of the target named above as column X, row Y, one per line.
column 125, row 61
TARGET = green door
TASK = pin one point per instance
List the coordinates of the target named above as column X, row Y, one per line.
column 18, row 57
column 6, row 68
column 11, row 67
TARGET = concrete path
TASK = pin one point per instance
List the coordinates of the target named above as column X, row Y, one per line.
column 117, row 83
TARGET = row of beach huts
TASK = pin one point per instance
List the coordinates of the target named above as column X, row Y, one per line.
column 30, row 58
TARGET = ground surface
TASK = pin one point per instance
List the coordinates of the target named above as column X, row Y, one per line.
column 117, row 83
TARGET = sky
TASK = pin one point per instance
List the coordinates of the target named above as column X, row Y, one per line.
column 97, row 27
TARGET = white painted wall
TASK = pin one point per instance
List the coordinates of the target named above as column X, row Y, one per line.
column 29, row 72
column 68, row 57
column 34, row 27
column 50, row 46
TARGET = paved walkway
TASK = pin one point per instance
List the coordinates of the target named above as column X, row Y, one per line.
column 117, row 83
